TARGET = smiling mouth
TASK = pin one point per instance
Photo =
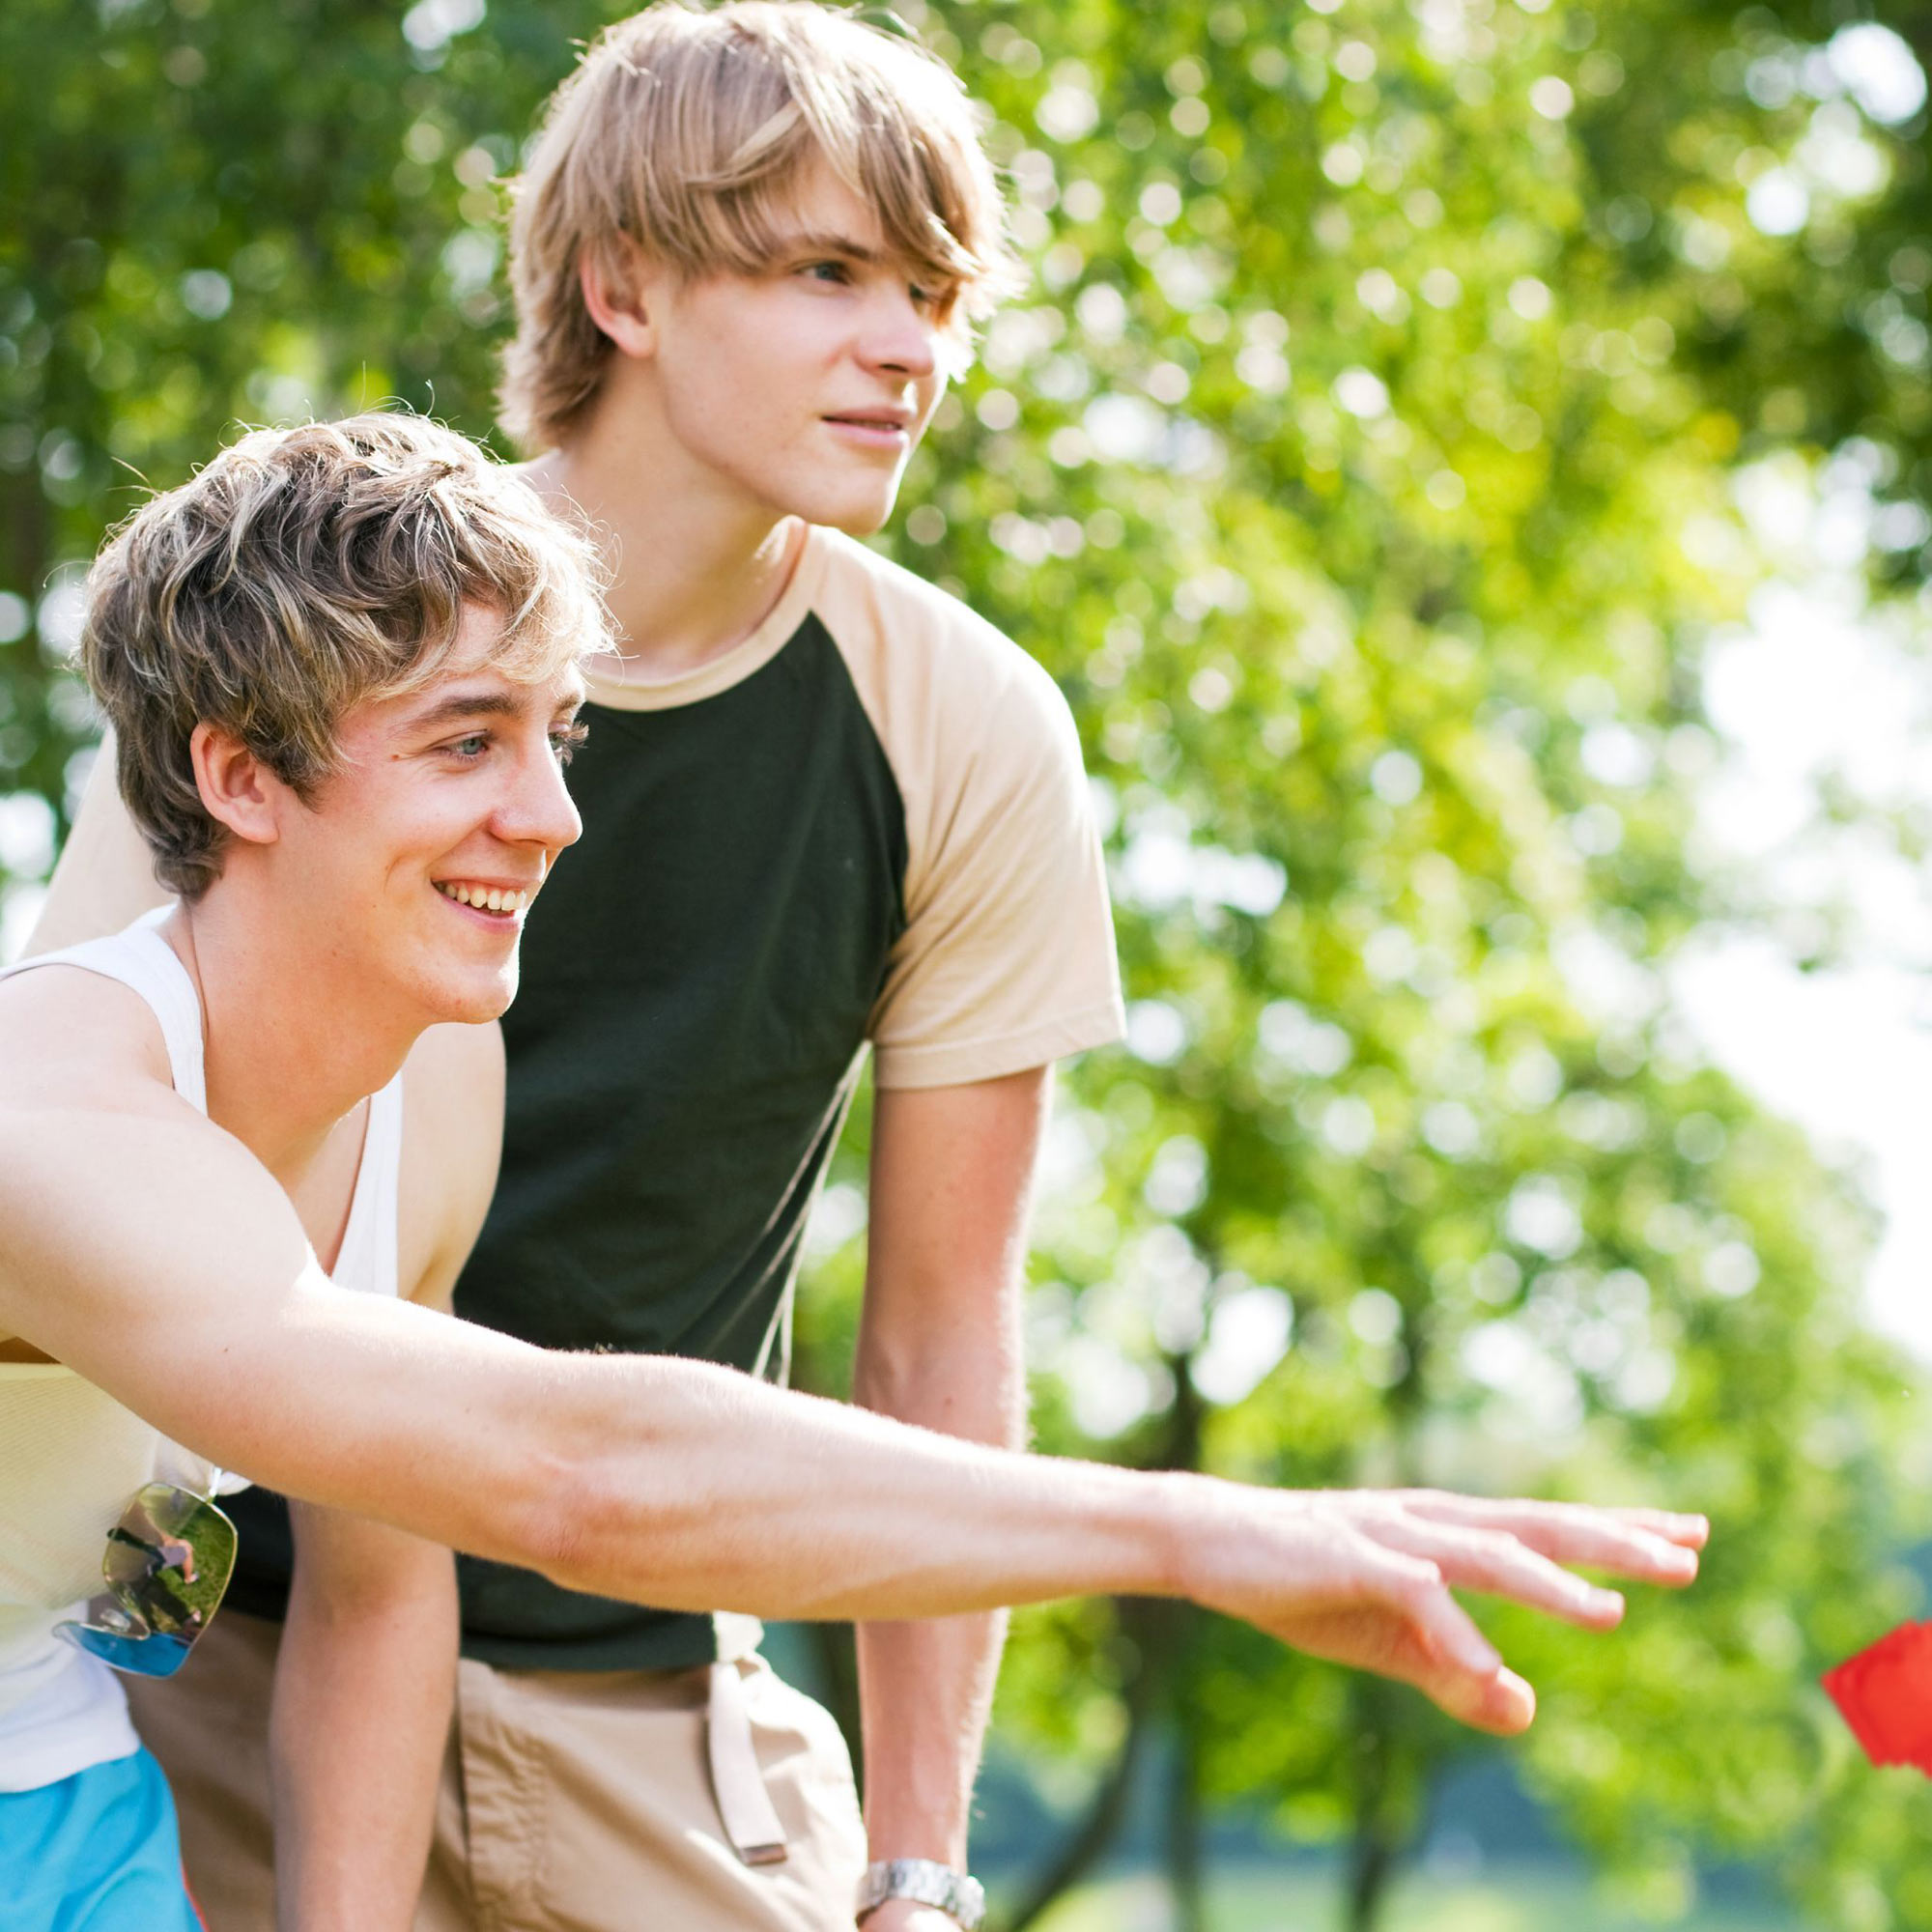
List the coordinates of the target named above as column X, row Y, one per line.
column 504, row 903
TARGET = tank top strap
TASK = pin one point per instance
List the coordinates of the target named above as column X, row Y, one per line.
column 368, row 1259
column 144, row 963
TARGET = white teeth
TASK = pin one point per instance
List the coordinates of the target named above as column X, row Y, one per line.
column 486, row 898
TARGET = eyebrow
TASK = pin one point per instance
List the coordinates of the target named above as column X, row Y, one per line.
column 808, row 242
column 460, row 705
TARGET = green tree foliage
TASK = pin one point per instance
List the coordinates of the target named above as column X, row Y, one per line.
column 1363, row 464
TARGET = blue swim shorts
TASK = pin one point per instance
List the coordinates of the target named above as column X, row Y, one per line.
column 97, row 1851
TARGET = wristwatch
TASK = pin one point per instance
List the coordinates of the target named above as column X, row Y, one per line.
column 925, row 1883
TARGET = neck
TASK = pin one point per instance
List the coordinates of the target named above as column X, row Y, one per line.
column 294, row 1041
column 697, row 564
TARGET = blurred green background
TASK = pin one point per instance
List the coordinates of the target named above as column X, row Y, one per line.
column 1365, row 461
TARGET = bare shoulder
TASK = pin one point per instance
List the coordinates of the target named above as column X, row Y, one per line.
column 70, row 1036
column 452, row 1135
column 89, row 1124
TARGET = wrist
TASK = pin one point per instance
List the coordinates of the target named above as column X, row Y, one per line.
column 918, row 1781
column 937, row 1848
column 1182, row 1541
column 924, row 1882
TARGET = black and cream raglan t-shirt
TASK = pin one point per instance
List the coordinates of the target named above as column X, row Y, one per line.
column 868, row 824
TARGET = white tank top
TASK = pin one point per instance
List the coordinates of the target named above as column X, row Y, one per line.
column 71, row 1457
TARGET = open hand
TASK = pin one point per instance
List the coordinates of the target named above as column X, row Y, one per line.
column 1365, row 1578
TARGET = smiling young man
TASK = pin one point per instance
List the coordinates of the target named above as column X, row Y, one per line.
column 342, row 663
column 827, row 810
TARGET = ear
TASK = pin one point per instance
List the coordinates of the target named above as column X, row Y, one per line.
column 239, row 791
column 617, row 298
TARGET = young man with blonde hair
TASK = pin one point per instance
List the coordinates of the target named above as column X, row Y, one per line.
column 827, row 809
column 343, row 665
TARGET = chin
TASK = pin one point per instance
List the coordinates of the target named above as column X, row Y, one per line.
column 471, row 1002
column 861, row 508
column 855, row 520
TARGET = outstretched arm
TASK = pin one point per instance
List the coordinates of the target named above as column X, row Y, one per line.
column 153, row 1254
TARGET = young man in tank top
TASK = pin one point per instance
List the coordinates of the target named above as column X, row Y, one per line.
column 827, row 809
column 343, row 668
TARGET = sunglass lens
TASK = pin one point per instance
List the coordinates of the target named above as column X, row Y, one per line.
column 153, row 1653
column 168, row 1560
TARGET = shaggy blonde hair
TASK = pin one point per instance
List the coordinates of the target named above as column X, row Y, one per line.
column 683, row 136
column 302, row 571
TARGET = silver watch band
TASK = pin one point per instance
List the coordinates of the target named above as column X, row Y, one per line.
column 925, row 1883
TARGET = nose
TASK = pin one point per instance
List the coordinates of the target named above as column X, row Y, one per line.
column 901, row 338
column 538, row 810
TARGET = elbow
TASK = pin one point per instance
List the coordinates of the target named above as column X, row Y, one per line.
column 583, row 1527
column 560, row 1524
column 620, row 1498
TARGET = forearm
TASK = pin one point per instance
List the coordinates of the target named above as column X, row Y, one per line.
column 926, row 1689
column 692, row 1487
column 737, row 1495
column 357, row 1733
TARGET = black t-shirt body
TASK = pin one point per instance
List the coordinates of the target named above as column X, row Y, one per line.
column 700, row 976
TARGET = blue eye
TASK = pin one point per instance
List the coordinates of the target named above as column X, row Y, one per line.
column 564, row 743
column 473, row 746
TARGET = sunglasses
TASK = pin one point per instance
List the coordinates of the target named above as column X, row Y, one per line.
column 166, row 1563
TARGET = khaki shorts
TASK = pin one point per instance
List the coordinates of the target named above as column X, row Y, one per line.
column 570, row 1802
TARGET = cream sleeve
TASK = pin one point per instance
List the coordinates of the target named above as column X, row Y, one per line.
column 1006, row 960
